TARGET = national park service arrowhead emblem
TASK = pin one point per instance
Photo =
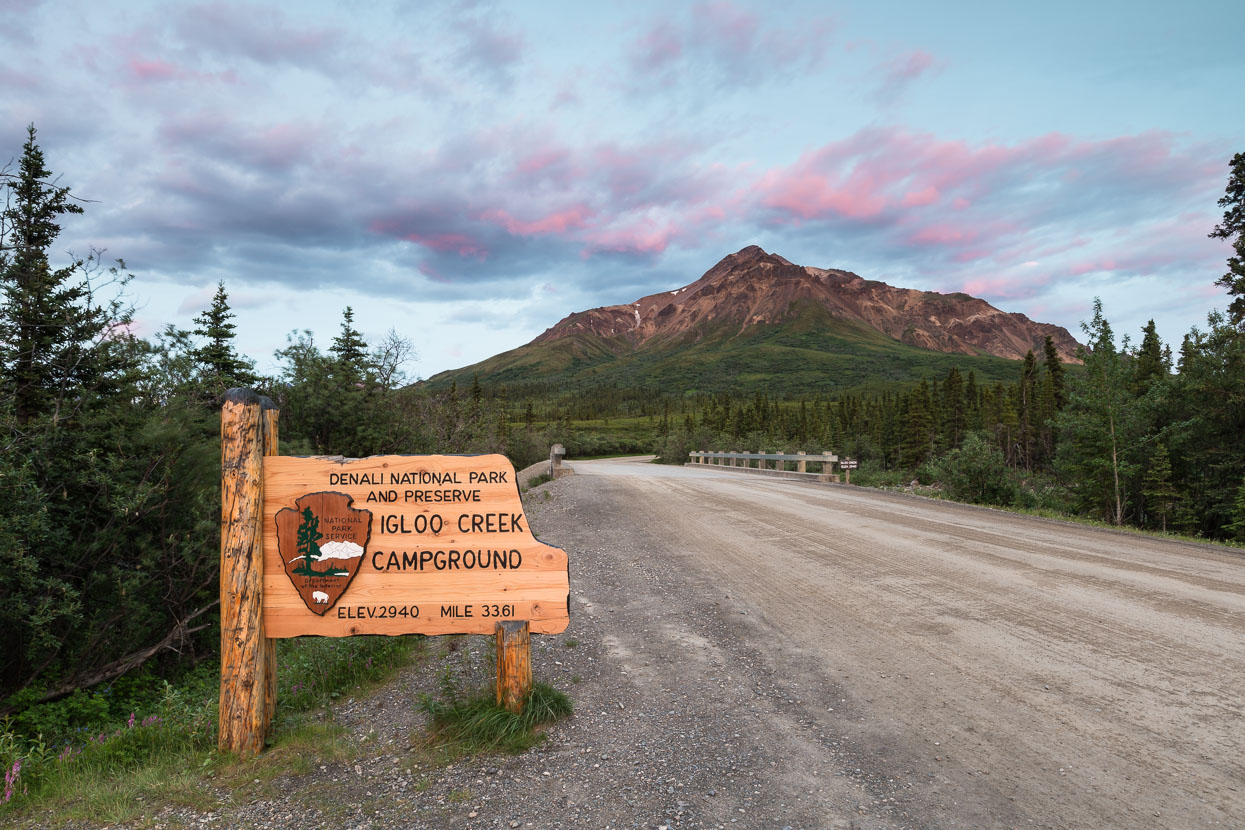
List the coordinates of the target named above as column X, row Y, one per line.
column 322, row 540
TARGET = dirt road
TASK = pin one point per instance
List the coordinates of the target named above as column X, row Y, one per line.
column 891, row 660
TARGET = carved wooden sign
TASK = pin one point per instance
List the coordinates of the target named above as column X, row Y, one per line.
column 435, row 544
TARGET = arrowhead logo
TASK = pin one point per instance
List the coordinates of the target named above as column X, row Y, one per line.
column 322, row 540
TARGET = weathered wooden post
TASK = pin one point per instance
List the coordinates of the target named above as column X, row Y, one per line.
column 514, row 664
column 243, row 651
column 802, row 465
column 270, row 415
column 556, row 453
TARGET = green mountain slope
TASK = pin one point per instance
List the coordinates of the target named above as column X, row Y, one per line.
column 810, row 352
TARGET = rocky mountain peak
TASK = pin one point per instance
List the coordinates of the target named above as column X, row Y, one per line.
column 752, row 287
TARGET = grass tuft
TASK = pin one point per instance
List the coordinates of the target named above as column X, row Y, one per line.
column 478, row 724
column 536, row 481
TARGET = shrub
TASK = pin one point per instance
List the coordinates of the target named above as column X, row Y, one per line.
column 976, row 473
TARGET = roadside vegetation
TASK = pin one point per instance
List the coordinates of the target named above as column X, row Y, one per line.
column 110, row 753
column 109, row 529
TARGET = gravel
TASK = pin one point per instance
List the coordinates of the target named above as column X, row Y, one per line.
column 682, row 719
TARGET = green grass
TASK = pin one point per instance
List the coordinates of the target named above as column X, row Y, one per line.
column 883, row 481
column 536, row 481
column 478, row 724
column 118, row 771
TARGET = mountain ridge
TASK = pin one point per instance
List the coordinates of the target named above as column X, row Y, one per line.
column 757, row 322
column 954, row 323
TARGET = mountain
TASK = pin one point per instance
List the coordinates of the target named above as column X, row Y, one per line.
column 756, row 321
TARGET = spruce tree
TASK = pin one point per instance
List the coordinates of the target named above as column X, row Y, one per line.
column 349, row 348
column 1026, row 415
column 1054, row 368
column 1160, row 493
column 955, row 422
column 1236, row 522
column 52, row 345
column 1233, row 228
column 1149, row 360
column 220, row 362
column 918, row 433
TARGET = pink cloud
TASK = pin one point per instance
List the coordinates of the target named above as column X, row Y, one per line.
column 645, row 236
column 458, row 243
column 920, row 198
column 942, row 234
column 559, row 222
column 541, row 160
column 1006, row 287
column 158, row 71
column 461, row 244
column 813, row 188
column 155, row 70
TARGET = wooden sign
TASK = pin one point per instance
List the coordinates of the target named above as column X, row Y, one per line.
column 847, row 464
column 434, row 544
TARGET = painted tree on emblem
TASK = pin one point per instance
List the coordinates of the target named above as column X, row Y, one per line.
column 308, row 536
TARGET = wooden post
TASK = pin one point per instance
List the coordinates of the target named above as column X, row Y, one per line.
column 243, row 673
column 514, row 664
column 270, row 415
column 802, row 464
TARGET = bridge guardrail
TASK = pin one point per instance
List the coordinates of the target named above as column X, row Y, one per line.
column 801, row 460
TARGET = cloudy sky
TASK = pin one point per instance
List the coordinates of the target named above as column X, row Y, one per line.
column 469, row 173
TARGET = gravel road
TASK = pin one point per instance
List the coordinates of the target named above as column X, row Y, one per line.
column 748, row 652
column 959, row 667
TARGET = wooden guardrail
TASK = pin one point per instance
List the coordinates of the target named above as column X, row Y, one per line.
column 744, row 460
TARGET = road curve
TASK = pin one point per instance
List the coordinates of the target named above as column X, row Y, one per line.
column 983, row 669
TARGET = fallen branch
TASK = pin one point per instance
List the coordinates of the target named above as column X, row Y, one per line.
column 114, row 670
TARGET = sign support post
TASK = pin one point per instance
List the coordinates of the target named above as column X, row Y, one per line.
column 514, row 664
column 244, row 652
column 270, row 415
